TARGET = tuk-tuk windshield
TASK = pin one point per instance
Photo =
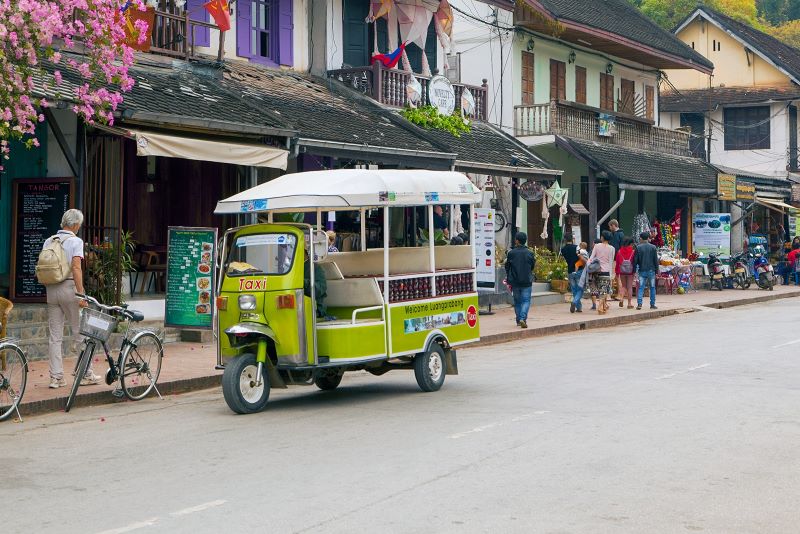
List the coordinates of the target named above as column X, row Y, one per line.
column 261, row 254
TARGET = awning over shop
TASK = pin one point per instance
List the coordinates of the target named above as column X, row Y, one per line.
column 774, row 204
column 173, row 146
column 644, row 170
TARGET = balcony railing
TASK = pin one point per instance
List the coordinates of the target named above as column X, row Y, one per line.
column 388, row 86
column 174, row 34
column 576, row 120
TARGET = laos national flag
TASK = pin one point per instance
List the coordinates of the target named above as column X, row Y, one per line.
column 389, row 60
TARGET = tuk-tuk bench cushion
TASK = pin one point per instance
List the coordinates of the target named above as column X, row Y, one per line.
column 353, row 293
column 331, row 270
column 452, row 257
column 402, row 260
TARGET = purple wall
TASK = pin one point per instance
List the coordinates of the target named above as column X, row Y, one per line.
column 202, row 36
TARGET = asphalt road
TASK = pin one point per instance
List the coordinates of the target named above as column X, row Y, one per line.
column 686, row 424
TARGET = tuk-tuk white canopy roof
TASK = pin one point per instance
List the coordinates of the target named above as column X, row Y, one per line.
column 353, row 189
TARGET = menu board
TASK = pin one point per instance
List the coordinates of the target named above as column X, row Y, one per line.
column 190, row 277
column 38, row 206
column 484, row 247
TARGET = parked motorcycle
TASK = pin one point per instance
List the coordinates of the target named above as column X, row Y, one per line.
column 716, row 272
column 762, row 269
column 739, row 271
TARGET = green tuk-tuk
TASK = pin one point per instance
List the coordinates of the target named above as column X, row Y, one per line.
column 378, row 309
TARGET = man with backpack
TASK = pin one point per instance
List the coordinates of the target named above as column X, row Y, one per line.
column 59, row 270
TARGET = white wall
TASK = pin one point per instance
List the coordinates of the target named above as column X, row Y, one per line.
column 482, row 56
column 335, row 54
column 770, row 162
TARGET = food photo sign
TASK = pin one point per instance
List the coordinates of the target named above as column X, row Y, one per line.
column 190, row 277
column 712, row 233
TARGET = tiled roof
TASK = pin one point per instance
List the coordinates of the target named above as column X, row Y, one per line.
column 487, row 145
column 623, row 19
column 783, row 55
column 701, row 100
column 172, row 91
column 320, row 108
column 647, row 169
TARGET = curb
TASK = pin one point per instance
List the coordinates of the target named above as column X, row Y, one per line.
column 211, row 381
column 606, row 322
column 105, row 397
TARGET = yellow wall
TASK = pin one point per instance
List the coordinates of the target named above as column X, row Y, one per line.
column 730, row 62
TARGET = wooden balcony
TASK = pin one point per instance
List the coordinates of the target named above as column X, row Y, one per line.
column 388, row 86
column 174, row 34
column 576, row 120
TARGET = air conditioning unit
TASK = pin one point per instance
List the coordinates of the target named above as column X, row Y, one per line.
column 454, row 67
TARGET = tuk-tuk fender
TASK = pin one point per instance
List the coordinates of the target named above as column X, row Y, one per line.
column 252, row 328
column 451, row 361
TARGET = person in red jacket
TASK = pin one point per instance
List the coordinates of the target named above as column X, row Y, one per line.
column 792, row 258
column 625, row 270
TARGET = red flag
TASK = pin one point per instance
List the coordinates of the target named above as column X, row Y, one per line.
column 220, row 12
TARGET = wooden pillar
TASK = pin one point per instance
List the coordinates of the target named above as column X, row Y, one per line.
column 592, row 186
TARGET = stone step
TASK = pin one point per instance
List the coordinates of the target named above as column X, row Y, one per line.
column 547, row 297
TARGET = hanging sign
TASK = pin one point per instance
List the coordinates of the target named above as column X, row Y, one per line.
column 484, row 247
column 726, row 187
column 606, row 125
column 796, row 193
column 441, row 95
column 191, row 254
column 745, row 191
column 532, row 191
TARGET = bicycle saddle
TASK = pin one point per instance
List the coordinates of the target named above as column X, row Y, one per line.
column 136, row 316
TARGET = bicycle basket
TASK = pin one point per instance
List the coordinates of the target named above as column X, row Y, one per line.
column 97, row 325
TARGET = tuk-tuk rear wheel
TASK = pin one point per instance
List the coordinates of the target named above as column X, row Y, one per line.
column 240, row 388
column 430, row 368
column 328, row 382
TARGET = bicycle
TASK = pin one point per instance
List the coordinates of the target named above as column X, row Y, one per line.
column 138, row 364
column 13, row 377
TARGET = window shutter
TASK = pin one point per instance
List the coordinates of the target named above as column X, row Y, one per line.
column 553, row 79
column 562, row 80
column 628, row 96
column 202, row 36
column 285, row 32
column 650, row 102
column 606, row 92
column 243, row 28
column 580, row 85
column 527, row 79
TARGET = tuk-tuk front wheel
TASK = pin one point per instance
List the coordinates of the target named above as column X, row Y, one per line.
column 430, row 368
column 240, row 385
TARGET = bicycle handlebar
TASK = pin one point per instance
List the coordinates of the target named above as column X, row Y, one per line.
column 123, row 310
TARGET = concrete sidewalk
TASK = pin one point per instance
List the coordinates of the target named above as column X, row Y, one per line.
column 190, row 366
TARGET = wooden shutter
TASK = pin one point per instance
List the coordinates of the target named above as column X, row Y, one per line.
column 527, row 79
column 243, row 28
column 558, row 80
column 628, row 96
column 202, row 36
column 580, row 85
column 650, row 102
column 285, row 32
column 606, row 92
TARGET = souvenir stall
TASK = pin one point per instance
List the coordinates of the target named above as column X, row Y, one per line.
column 676, row 274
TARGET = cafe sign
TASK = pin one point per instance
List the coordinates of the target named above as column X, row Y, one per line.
column 745, row 191
column 726, row 187
column 441, row 95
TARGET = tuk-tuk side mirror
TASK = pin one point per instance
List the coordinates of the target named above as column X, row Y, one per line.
column 320, row 241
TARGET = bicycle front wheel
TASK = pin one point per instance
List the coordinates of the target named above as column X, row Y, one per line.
column 81, row 367
column 13, row 378
column 141, row 365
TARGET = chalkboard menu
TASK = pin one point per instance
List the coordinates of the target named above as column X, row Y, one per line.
column 38, row 205
column 190, row 277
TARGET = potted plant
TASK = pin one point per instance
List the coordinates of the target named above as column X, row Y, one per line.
column 558, row 276
column 108, row 265
column 545, row 260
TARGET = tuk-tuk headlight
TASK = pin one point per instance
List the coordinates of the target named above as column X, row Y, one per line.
column 247, row 302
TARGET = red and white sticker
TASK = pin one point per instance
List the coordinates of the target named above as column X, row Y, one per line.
column 472, row 316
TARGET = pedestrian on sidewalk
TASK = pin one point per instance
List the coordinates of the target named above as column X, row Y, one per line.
column 617, row 236
column 62, row 304
column 519, row 274
column 625, row 271
column 646, row 262
column 600, row 283
column 578, row 280
column 570, row 253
